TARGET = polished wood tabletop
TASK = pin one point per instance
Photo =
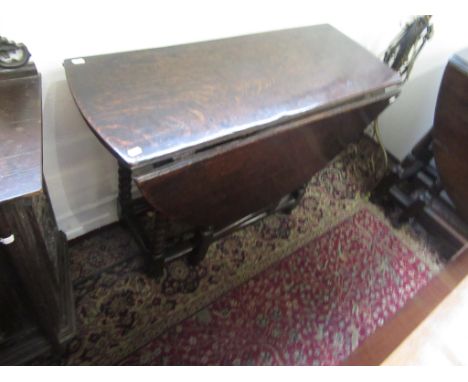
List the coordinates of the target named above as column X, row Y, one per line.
column 159, row 104
column 20, row 134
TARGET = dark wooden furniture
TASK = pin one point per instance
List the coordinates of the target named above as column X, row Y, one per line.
column 431, row 184
column 220, row 133
column 437, row 164
column 450, row 132
column 37, row 308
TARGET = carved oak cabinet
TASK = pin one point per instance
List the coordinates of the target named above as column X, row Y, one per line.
column 36, row 304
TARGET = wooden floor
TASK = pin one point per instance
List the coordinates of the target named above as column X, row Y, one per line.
column 430, row 329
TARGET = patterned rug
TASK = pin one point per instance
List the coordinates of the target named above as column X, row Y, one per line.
column 300, row 289
column 312, row 308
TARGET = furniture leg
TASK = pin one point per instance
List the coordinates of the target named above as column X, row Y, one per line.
column 415, row 161
column 125, row 192
column 152, row 251
column 380, row 194
column 203, row 239
column 297, row 196
column 156, row 261
column 412, row 210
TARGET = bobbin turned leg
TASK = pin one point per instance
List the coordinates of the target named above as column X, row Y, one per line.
column 152, row 250
column 156, row 262
column 125, row 193
column 297, row 197
column 202, row 240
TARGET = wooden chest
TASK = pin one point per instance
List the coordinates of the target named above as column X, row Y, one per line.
column 37, row 307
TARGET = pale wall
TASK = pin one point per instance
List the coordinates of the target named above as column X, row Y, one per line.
column 81, row 174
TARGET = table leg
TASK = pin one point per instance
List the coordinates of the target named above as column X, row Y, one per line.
column 125, row 192
column 202, row 241
column 159, row 245
column 297, row 196
column 153, row 250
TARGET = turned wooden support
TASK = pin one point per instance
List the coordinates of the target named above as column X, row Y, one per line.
column 202, row 240
column 417, row 160
column 152, row 247
column 125, row 192
column 297, row 197
column 159, row 232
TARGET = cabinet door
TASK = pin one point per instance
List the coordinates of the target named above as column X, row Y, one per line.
column 31, row 265
column 14, row 314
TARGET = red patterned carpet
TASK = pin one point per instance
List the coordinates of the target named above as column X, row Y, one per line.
column 312, row 308
column 300, row 289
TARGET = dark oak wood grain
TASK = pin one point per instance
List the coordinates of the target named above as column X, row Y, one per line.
column 36, row 301
column 221, row 133
column 20, row 135
column 169, row 101
column 220, row 186
column 450, row 131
